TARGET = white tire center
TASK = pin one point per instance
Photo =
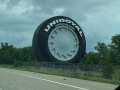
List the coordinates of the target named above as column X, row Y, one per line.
column 63, row 43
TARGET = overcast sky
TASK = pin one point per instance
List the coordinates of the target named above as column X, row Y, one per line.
column 99, row 19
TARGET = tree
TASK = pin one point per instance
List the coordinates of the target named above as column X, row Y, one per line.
column 11, row 55
column 27, row 52
column 115, row 49
column 91, row 58
column 6, row 53
column 103, row 52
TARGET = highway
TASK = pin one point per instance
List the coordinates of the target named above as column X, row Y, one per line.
column 23, row 80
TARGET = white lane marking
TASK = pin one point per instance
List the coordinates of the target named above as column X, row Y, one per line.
column 76, row 87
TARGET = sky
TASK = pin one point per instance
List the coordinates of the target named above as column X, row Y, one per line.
column 99, row 19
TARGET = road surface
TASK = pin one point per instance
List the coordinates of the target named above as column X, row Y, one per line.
column 24, row 80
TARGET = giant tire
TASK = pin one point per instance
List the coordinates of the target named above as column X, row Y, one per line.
column 55, row 38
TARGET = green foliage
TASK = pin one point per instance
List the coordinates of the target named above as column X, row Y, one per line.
column 15, row 56
column 92, row 58
column 101, row 48
column 17, row 63
column 108, row 71
column 115, row 49
column 105, row 54
column 116, row 73
column 6, row 53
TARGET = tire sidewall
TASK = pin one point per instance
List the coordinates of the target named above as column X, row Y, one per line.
column 41, row 42
column 48, row 53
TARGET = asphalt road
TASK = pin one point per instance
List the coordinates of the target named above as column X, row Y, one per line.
column 24, row 80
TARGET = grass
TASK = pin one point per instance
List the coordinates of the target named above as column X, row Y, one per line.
column 67, row 73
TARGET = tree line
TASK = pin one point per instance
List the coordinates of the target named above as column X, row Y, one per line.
column 11, row 55
column 103, row 54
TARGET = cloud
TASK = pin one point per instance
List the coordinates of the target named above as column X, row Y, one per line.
column 99, row 19
column 58, row 11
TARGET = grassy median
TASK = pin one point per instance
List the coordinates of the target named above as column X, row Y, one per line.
column 67, row 73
